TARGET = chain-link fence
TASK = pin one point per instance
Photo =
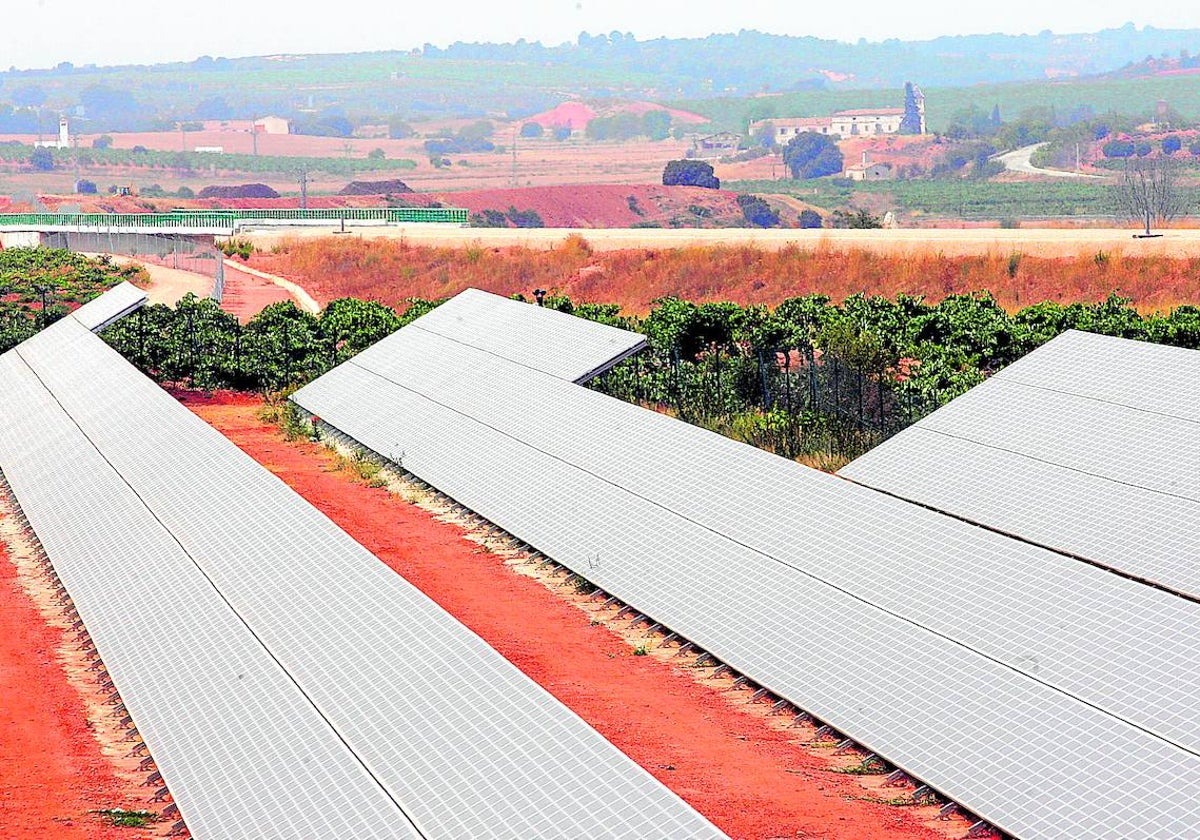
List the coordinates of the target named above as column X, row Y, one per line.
column 197, row 255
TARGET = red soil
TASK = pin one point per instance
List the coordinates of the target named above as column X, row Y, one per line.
column 52, row 772
column 602, row 205
column 741, row 773
column 246, row 295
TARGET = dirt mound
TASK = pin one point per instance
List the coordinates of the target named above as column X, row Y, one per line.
column 608, row 205
column 239, row 191
column 391, row 187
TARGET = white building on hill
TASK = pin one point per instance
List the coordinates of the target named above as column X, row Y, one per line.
column 861, row 122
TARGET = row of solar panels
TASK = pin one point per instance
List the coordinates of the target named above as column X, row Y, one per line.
column 1049, row 696
column 288, row 684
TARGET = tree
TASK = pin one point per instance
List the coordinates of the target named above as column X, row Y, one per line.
column 811, row 155
column 1171, row 144
column 376, row 154
column 41, row 159
column 1118, row 149
column 810, row 219
column 398, row 129
column 911, row 123
column 1149, row 192
column 690, row 173
column 757, row 212
column 85, row 187
column 104, row 141
column 532, row 130
column 656, row 125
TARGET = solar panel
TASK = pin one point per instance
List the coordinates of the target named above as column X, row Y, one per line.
column 943, row 647
column 111, row 306
column 244, row 752
column 543, row 339
column 467, row 744
column 1089, row 446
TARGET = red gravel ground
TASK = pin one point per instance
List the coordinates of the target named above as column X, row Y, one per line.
column 52, row 772
column 246, row 295
column 730, row 764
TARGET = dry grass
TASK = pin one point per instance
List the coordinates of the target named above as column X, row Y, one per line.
column 392, row 270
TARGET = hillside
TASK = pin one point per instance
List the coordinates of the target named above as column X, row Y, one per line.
column 335, row 95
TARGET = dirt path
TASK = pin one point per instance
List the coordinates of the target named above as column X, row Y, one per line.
column 247, row 292
column 301, row 298
column 53, row 772
column 745, row 771
column 168, row 285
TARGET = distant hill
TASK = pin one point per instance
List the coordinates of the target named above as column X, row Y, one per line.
column 337, row 94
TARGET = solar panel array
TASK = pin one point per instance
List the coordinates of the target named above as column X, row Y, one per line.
column 1090, row 445
column 449, row 731
column 543, row 339
column 111, row 306
column 1049, row 697
column 245, row 753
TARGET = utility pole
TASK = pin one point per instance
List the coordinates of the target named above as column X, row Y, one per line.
column 304, row 188
column 514, row 157
column 44, row 291
column 254, row 136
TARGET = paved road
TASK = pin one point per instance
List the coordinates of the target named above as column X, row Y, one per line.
column 1021, row 160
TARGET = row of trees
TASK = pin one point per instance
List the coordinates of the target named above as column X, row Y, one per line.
column 806, row 378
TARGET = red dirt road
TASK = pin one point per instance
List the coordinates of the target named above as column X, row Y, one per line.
column 739, row 771
column 52, row 772
column 246, row 295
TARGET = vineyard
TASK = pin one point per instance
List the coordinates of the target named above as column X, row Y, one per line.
column 40, row 285
column 200, row 161
column 951, row 198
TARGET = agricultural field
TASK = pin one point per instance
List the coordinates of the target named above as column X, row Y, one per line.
column 947, row 201
column 62, row 281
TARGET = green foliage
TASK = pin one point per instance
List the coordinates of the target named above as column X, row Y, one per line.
column 128, row 819
column 656, row 125
column 690, row 173
column 41, row 159
column 67, row 279
column 955, row 198
column 625, row 125
column 808, row 378
column 1118, row 149
column 810, row 219
column 532, row 130
column 812, row 155
column 757, row 212
column 398, row 128
column 856, row 220
column 228, row 162
column 198, row 344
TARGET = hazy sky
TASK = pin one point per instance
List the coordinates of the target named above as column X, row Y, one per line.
column 41, row 33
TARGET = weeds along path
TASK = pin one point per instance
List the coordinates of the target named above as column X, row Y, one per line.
column 53, row 771
column 746, row 771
